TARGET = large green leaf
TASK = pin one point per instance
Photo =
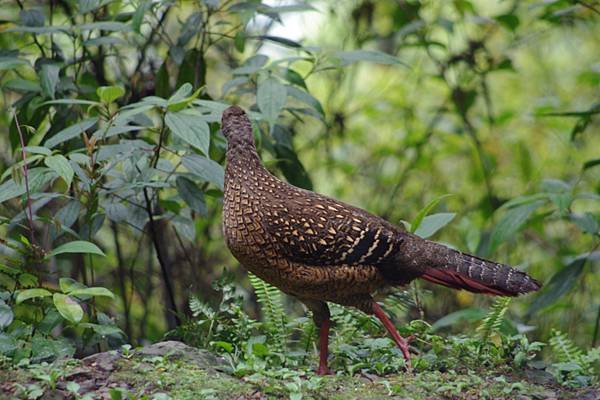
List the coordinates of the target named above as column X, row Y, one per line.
column 561, row 283
column 77, row 246
column 92, row 291
column 49, row 79
column 31, row 294
column 191, row 194
column 426, row 210
column 8, row 344
column 105, row 26
column 71, row 132
column 68, row 307
column 108, row 94
column 59, row 164
column 467, row 314
column 511, row 222
column 306, row 98
column 433, row 223
column 205, row 169
column 271, row 97
column 69, row 284
column 190, row 128
column 6, row 315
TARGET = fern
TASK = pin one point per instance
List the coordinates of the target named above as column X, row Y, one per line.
column 493, row 320
column 564, row 349
column 200, row 308
column 270, row 300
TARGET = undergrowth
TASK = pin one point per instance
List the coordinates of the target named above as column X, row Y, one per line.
column 280, row 346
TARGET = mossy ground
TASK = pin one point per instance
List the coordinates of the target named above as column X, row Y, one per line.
column 179, row 372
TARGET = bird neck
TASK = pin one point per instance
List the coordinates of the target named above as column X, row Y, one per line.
column 242, row 155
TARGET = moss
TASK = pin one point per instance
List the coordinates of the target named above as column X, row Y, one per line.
column 186, row 373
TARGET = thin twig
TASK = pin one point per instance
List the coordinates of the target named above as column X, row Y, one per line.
column 26, row 177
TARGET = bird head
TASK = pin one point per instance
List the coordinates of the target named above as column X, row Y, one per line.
column 236, row 126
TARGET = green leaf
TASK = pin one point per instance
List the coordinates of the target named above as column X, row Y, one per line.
column 174, row 106
column 77, row 246
column 467, row 314
column 37, row 150
column 105, row 26
column 31, row 294
column 8, row 344
column 281, row 40
column 71, row 101
column 92, row 291
column 103, row 330
column 181, row 93
column 31, row 17
column 204, row 168
column 108, row 94
column 68, row 307
column 49, row 79
column 586, row 222
column 306, row 98
column 511, row 222
column 6, row 315
column 191, row 194
column 12, row 62
column 68, row 284
column 70, row 132
column 192, row 129
column 509, row 21
column 561, row 283
column 239, row 41
column 86, row 6
column 591, row 163
column 10, row 189
column 350, row 57
column 138, row 15
column 426, row 210
column 271, row 97
column 62, row 167
column 433, row 223
column 295, row 78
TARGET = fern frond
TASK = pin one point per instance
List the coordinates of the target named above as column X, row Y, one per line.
column 564, row 349
column 492, row 321
column 271, row 302
column 200, row 308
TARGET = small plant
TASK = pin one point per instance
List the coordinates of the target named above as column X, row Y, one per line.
column 30, row 311
column 574, row 367
column 493, row 320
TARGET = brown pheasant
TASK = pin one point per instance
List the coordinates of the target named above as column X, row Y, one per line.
column 318, row 249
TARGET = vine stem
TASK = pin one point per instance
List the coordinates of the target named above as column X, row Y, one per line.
column 26, row 177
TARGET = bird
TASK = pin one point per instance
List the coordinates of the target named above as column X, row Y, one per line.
column 320, row 250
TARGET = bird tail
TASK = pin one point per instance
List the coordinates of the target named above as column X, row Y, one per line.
column 464, row 271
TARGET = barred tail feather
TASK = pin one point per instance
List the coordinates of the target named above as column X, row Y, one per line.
column 464, row 271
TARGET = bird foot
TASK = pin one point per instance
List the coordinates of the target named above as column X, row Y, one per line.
column 401, row 342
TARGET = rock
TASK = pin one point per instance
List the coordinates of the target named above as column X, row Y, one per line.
column 178, row 350
column 104, row 361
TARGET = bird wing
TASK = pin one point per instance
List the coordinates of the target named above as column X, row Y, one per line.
column 317, row 230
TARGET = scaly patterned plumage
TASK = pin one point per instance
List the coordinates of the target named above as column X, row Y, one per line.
column 319, row 249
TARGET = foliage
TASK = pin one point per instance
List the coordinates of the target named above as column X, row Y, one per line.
column 492, row 321
column 277, row 347
column 573, row 367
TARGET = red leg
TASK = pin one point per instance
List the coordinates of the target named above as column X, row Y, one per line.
column 323, row 352
column 400, row 341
